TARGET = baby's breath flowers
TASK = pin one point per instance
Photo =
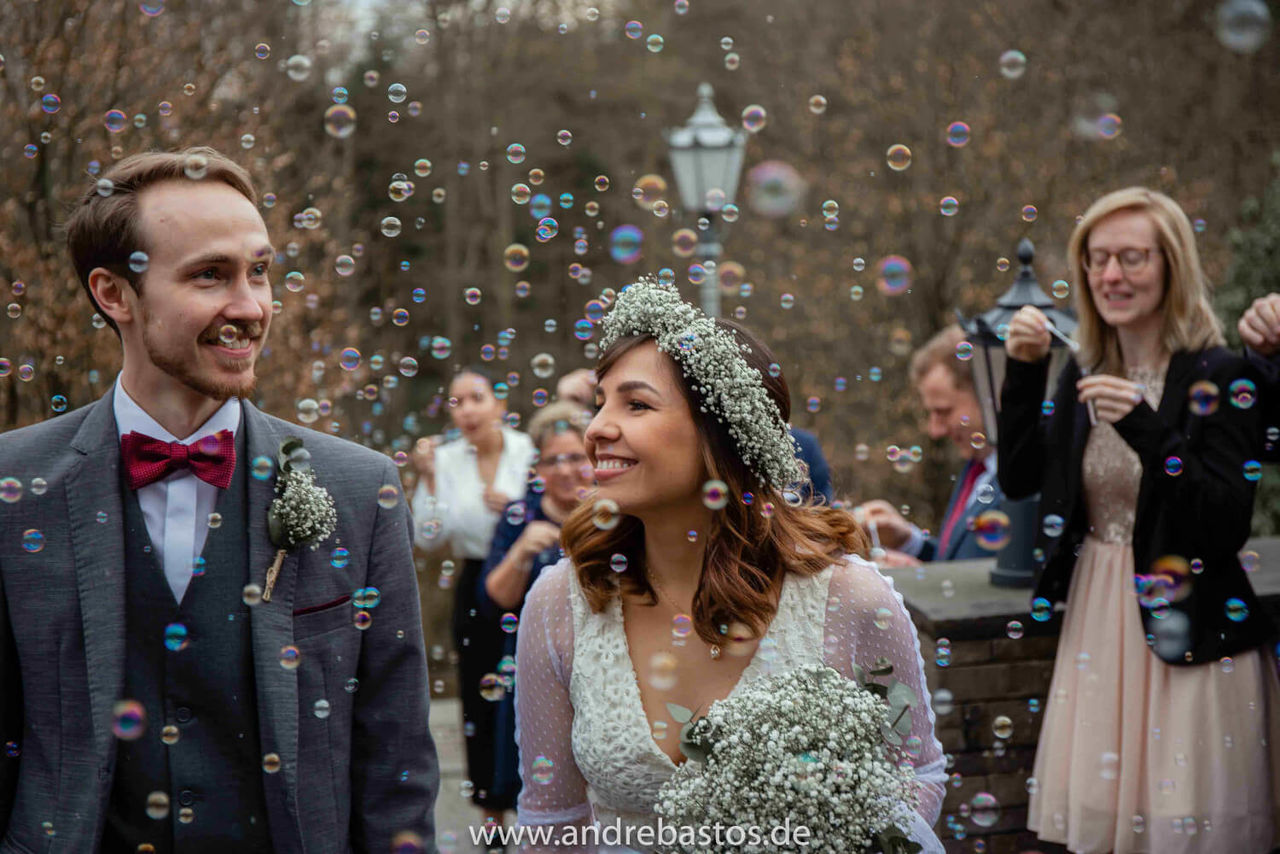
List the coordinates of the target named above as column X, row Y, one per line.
column 806, row 747
column 303, row 514
column 711, row 357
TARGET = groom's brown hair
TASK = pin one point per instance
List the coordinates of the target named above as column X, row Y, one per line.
column 102, row 230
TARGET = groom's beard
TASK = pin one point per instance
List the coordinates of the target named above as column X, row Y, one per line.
column 183, row 371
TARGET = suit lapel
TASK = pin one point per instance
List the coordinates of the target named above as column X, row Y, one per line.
column 93, row 487
column 271, row 623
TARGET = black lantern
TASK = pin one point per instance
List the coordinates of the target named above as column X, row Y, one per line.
column 986, row 332
column 706, row 157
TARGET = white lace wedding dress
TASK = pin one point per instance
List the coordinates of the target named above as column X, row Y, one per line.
column 586, row 746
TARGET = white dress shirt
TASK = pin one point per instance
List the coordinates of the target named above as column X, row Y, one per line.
column 176, row 507
column 456, row 513
column 915, row 543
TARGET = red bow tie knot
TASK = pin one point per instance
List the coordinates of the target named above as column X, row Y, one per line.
column 146, row 460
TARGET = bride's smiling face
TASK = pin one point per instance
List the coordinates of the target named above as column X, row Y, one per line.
column 643, row 441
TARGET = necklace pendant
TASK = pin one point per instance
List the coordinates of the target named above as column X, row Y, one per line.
column 715, row 652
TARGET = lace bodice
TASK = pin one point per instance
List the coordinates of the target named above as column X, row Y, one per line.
column 1112, row 471
column 586, row 746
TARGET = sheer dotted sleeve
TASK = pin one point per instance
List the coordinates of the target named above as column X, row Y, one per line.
column 553, row 790
column 866, row 620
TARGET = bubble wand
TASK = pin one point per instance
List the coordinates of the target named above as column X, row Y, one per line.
column 1074, row 346
column 877, row 551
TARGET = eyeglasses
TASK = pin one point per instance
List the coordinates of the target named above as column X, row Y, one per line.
column 1132, row 259
column 571, row 460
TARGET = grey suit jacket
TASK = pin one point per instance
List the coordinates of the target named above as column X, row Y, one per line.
column 350, row 781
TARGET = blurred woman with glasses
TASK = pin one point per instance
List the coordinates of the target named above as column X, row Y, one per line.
column 526, row 541
column 1162, row 726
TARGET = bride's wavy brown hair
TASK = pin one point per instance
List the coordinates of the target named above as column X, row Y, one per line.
column 747, row 553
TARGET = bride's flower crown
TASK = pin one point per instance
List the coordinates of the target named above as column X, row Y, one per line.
column 711, row 357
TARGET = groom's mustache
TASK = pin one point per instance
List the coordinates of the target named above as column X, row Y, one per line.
column 213, row 334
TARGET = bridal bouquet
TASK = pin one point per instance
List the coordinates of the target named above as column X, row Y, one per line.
column 803, row 748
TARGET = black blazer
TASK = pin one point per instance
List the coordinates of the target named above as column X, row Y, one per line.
column 1269, row 399
column 1200, row 514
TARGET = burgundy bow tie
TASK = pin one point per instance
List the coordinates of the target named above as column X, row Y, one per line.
column 146, row 460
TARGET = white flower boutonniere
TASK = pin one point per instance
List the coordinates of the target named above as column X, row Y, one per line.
column 303, row 514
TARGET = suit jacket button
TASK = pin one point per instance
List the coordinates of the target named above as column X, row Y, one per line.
column 186, row 797
column 183, row 714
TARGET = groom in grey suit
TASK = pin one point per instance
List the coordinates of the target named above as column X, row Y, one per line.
column 160, row 691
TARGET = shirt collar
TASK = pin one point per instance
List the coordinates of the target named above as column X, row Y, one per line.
column 989, row 463
column 132, row 417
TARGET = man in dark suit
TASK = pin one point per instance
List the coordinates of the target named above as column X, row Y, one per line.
column 810, row 453
column 174, row 675
column 945, row 385
column 1259, row 329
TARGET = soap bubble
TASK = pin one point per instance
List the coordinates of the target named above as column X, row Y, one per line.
column 715, row 494
column 128, row 720
column 340, row 121
column 1243, row 393
column 298, row 67
column 516, row 257
column 1013, row 64
column 625, row 244
column 606, row 514
column 115, row 120
column 993, row 530
column 894, row 275
column 985, row 809
column 1202, row 398
column 957, row 134
column 754, row 118
column 898, row 157
column 775, row 188
column 1243, row 25
column 648, row 189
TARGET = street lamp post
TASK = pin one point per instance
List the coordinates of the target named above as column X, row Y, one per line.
column 706, row 157
column 1015, row 566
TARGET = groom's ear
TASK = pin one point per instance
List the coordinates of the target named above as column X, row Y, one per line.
column 111, row 292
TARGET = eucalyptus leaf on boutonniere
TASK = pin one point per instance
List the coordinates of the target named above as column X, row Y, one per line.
column 303, row 514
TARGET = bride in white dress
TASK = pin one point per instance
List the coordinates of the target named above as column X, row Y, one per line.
column 688, row 575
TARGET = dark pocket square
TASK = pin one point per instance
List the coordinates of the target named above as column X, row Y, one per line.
column 341, row 600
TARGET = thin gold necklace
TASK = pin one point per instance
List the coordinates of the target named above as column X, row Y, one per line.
column 662, row 593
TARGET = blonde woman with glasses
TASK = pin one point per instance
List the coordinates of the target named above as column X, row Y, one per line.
column 1162, row 725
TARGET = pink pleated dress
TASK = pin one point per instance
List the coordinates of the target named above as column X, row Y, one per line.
column 1136, row 755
